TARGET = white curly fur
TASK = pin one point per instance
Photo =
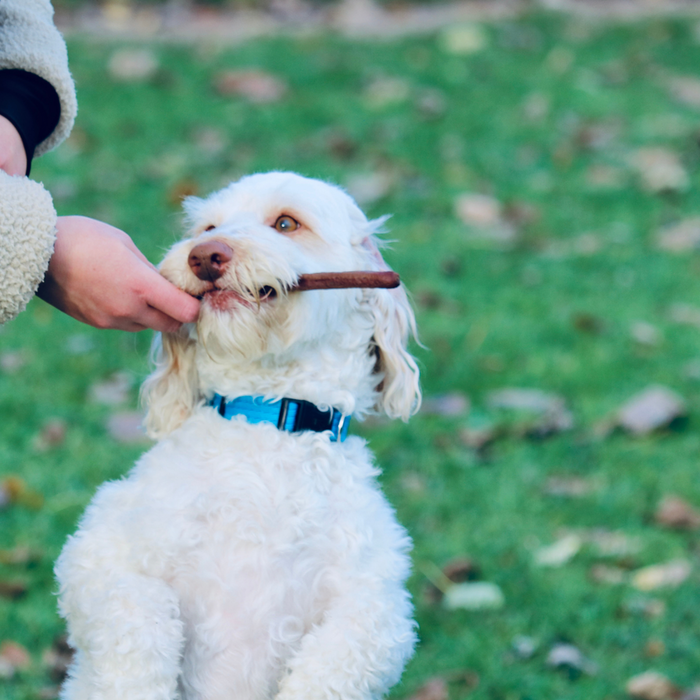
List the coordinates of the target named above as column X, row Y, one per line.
column 237, row 560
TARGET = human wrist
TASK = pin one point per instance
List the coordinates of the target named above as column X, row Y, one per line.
column 32, row 105
column 13, row 158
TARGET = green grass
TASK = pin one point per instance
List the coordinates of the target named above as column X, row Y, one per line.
column 489, row 317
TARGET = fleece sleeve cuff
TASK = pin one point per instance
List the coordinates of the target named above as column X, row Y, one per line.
column 27, row 237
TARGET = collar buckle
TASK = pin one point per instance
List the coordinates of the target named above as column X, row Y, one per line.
column 290, row 415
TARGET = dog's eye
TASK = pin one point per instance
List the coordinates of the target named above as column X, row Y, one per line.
column 210, row 227
column 285, row 224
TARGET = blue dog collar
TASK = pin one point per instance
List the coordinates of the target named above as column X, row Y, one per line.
column 292, row 415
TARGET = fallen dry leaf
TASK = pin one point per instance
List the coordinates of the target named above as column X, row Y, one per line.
column 385, row 91
column 52, row 434
column 340, row 144
column 568, row 486
column 486, row 218
column 524, row 647
column 434, row 689
column 560, row 59
column 588, row 323
column 13, row 657
column 612, row 543
column 457, row 570
column 652, row 686
column 413, row 482
column 132, row 65
column 111, row 391
column 583, row 245
column 79, row 344
column 127, row 427
column 517, row 399
column 680, row 237
column 550, row 411
column 359, row 16
column 182, row 189
column 16, row 654
column 431, row 103
column 598, row 136
column 660, row 170
column 691, row 370
column 12, row 589
column 521, row 213
column 453, row 404
column 570, row 658
column 559, row 553
column 605, row 177
column 587, row 244
column 669, row 575
column 473, row 595
column 652, row 409
column 676, row 513
column 480, row 437
column 646, row 334
column 463, row 39
column 606, row 574
column 461, row 569
column 536, row 106
column 20, row 555
column 14, row 490
column 654, row 648
column 685, row 314
column 476, row 209
column 685, row 88
column 58, row 658
column 651, row 608
column 366, row 188
column 12, row 362
column 256, row 86
column 210, row 140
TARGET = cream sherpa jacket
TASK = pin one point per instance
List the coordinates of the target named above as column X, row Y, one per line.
column 30, row 41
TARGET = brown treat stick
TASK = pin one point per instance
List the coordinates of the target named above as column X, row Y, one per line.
column 385, row 279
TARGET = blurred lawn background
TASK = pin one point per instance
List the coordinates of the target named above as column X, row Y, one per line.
column 537, row 169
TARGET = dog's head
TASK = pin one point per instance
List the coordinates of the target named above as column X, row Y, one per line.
column 246, row 248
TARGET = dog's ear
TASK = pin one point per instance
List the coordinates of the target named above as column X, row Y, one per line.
column 394, row 325
column 170, row 393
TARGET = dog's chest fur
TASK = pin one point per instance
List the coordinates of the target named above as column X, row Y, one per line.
column 251, row 527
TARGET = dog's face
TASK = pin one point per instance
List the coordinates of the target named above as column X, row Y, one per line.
column 247, row 246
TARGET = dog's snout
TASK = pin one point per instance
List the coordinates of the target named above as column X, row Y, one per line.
column 209, row 260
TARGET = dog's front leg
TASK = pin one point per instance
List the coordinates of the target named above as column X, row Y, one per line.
column 359, row 649
column 125, row 625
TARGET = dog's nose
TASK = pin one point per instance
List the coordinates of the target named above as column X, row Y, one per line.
column 208, row 260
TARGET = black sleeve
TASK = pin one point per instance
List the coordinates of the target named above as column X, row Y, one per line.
column 31, row 104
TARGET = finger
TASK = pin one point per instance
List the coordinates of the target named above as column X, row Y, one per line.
column 157, row 320
column 167, row 298
column 135, row 328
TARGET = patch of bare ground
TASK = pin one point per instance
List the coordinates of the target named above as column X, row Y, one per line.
column 183, row 21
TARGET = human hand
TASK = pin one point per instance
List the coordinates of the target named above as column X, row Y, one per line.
column 98, row 276
column 13, row 158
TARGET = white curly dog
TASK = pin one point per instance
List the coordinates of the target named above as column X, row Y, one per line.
column 240, row 560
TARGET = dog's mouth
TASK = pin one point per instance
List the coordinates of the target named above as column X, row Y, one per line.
column 225, row 298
